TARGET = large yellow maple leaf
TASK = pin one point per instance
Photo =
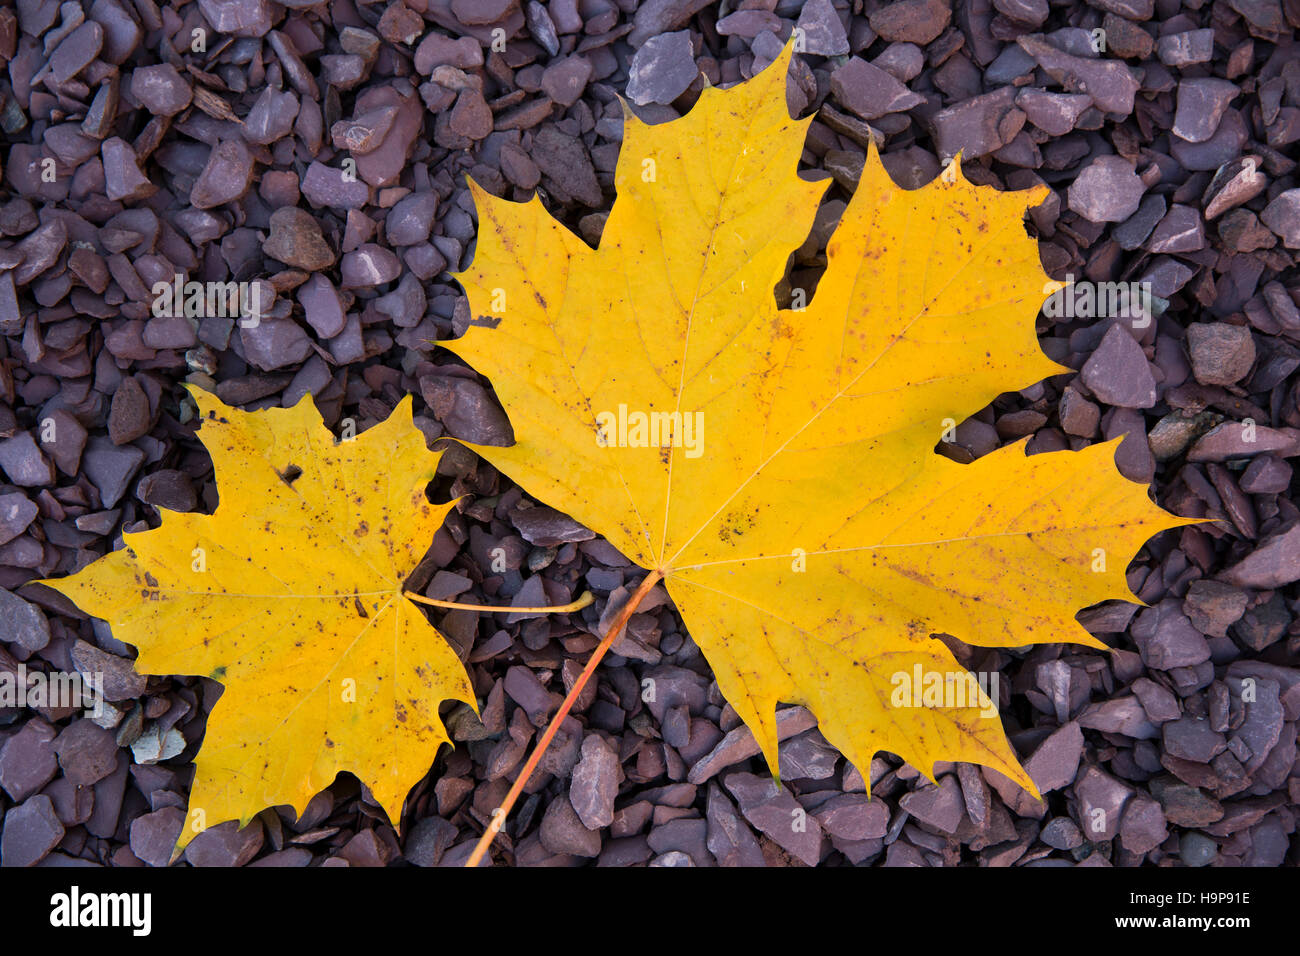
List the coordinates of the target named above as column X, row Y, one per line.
column 804, row 526
column 290, row 595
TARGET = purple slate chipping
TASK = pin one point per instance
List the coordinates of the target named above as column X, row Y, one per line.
column 31, row 830
column 226, row 177
column 27, row 760
column 662, row 69
column 1118, row 372
column 1108, row 190
column 869, row 91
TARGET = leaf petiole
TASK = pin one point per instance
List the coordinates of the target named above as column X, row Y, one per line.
column 583, row 600
column 615, row 628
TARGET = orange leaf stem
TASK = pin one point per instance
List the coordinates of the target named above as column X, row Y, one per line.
column 615, row 628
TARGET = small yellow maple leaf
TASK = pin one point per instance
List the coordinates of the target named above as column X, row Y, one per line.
column 777, row 467
column 290, row 595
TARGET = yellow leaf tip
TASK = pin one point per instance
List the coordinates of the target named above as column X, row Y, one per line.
column 404, row 408
column 952, row 174
column 1056, row 368
column 304, row 397
column 786, row 55
column 1087, row 639
column 198, row 393
column 1036, row 195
